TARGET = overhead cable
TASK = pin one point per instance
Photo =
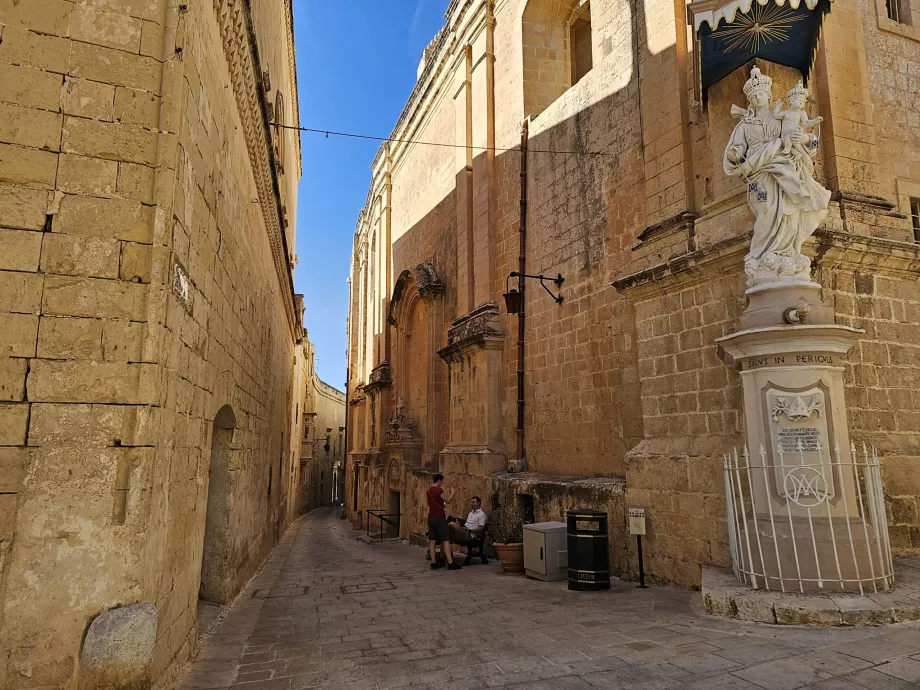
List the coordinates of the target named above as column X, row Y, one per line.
column 352, row 135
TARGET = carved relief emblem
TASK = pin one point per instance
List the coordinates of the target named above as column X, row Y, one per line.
column 797, row 408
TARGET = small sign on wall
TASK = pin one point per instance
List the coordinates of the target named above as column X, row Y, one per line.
column 637, row 521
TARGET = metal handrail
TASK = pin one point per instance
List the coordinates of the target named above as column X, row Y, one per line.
column 382, row 517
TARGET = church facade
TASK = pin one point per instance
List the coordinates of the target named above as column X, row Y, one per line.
column 623, row 191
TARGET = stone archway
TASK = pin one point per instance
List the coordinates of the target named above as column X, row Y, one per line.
column 216, row 580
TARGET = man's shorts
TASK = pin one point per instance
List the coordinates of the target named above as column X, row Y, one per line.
column 437, row 529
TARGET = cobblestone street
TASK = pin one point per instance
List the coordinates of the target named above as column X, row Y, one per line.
column 327, row 610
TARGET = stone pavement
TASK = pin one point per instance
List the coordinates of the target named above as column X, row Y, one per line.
column 329, row 611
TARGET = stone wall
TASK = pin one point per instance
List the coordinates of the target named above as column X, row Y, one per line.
column 143, row 292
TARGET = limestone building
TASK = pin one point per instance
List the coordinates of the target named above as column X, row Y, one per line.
column 625, row 110
column 150, row 334
column 322, row 445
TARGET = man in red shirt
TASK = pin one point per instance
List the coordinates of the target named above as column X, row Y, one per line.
column 437, row 524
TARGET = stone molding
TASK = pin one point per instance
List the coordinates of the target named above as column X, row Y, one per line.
column 379, row 379
column 427, row 282
column 292, row 68
column 687, row 266
column 472, row 330
column 241, row 52
column 899, row 259
column 682, row 222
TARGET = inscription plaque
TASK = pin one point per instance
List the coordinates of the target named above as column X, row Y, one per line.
column 799, row 437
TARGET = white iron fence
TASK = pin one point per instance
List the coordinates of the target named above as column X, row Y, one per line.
column 803, row 521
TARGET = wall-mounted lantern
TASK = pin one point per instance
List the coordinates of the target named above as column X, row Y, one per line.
column 514, row 299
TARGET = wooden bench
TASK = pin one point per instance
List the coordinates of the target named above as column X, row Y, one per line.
column 475, row 546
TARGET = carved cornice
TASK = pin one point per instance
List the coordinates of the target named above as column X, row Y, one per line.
column 426, row 281
column 241, row 52
column 292, row 68
column 474, row 330
column 380, row 378
column 682, row 222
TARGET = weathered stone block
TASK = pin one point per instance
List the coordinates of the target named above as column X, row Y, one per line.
column 135, row 107
column 143, row 9
column 44, row 16
column 135, row 182
column 14, row 463
column 109, row 29
column 90, row 176
column 20, row 293
column 88, row 99
column 27, row 48
column 123, row 341
column 14, row 421
column 18, row 335
column 29, row 167
column 806, row 610
column 40, row 129
column 114, row 141
column 30, row 87
column 66, row 296
column 135, row 262
column 121, row 219
column 118, row 648
column 152, row 40
column 93, row 382
column 56, row 424
column 21, row 250
column 8, row 504
column 114, row 67
column 12, row 378
column 80, row 255
column 69, row 338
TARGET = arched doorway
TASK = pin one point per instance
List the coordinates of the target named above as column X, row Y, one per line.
column 216, row 580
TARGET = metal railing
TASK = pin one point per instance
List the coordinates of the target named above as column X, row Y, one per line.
column 808, row 520
column 383, row 517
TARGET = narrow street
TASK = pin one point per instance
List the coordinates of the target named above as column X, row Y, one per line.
column 327, row 610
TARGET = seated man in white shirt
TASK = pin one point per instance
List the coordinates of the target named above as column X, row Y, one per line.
column 475, row 523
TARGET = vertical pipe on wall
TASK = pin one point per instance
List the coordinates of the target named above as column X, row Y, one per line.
column 522, row 266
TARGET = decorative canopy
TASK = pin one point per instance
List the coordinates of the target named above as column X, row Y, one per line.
column 731, row 33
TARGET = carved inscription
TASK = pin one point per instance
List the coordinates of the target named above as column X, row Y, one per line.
column 791, row 439
column 786, row 360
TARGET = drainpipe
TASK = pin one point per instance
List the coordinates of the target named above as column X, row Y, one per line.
column 345, row 447
column 522, row 253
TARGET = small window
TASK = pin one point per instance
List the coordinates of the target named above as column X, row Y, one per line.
column 580, row 42
column 915, row 217
column 898, row 11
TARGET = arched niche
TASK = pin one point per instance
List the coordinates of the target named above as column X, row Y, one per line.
column 216, row 576
column 416, row 315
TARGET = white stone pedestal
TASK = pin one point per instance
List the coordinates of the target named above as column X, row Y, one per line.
column 800, row 508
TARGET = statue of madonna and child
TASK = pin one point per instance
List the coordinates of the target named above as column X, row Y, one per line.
column 774, row 152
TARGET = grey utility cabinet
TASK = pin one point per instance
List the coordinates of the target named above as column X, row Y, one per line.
column 545, row 551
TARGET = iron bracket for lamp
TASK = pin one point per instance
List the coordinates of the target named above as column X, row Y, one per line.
column 514, row 299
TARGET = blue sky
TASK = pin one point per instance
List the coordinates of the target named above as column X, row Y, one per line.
column 357, row 62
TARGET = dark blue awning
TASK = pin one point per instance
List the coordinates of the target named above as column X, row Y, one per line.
column 731, row 34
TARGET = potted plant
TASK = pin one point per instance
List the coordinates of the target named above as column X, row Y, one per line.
column 507, row 535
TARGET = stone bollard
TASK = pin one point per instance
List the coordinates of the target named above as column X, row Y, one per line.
column 117, row 653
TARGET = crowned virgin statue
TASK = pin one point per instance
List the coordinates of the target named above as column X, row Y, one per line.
column 778, row 167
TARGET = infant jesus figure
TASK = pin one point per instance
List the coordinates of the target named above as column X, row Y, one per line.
column 795, row 119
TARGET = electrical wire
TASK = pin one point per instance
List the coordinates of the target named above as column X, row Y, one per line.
column 352, row 135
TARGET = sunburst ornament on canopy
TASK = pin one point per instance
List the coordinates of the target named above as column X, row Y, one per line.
column 731, row 33
column 765, row 24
